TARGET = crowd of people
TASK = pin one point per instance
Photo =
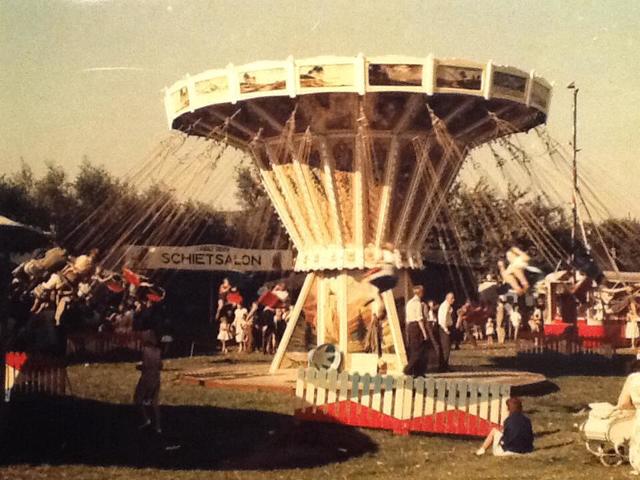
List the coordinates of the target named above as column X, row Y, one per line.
column 443, row 328
column 259, row 325
column 54, row 282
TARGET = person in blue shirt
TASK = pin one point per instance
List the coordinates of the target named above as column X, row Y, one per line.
column 516, row 436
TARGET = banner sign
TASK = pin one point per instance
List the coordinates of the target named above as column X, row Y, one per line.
column 208, row 257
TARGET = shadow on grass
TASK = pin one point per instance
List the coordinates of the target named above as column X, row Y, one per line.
column 74, row 431
column 558, row 365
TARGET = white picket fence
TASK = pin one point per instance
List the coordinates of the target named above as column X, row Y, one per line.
column 402, row 404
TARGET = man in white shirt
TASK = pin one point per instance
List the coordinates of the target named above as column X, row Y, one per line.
column 416, row 334
column 445, row 326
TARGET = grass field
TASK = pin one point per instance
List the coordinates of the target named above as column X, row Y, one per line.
column 227, row 434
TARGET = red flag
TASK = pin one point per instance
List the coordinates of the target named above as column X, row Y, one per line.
column 131, row 277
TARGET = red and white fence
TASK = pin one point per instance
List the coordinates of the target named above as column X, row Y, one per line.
column 34, row 374
column 100, row 343
column 401, row 404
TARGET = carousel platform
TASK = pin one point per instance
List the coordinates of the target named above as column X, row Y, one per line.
column 255, row 377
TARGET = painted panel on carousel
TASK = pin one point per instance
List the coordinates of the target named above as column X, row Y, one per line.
column 258, row 83
column 214, row 89
column 457, row 77
column 315, row 77
column 509, row 83
column 395, row 75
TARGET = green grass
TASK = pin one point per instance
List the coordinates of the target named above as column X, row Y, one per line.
column 228, row 434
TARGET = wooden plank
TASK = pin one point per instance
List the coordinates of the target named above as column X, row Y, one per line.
column 399, row 386
column 441, row 405
column 376, row 399
column 494, row 391
column 332, row 386
column 387, row 399
column 451, row 402
column 364, row 417
column 365, row 398
column 343, row 395
column 291, row 323
column 463, row 424
column 321, row 389
column 418, row 402
column 505, row 393
column 310, row 394
column 407, row 400
column 430, row 396
column 355, row 398
column 483, row 401
column 441, row 394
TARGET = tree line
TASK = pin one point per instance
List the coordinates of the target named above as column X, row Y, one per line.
column 476, row 227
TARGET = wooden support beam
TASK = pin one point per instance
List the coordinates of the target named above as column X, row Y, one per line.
column 394, row 325
column 431, row 181
column 311, row 207
column 291, row 324
column 328, row 165
column 292, row 201
column 387, row 191
column 360, row 210
column 266, row 116
column 416, row 178
column 278, row 200
column 441, row 195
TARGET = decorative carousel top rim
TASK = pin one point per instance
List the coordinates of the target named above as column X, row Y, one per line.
column 325, row 74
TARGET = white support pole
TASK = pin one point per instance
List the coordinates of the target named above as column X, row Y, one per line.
column 343, row 316
column 291, row 324
column 322, row 307
column 394, row 325
column 360, row 197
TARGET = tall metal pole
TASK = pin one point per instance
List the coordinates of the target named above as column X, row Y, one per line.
column 574, row 230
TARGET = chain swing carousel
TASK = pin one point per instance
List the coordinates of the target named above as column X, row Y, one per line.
column 357, row 155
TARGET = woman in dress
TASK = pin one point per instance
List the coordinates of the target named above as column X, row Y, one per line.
column 630, row 399
column 223, row 291
column 239, row 322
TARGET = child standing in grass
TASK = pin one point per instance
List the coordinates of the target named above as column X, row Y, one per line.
column 224, row 335
column 490, row 331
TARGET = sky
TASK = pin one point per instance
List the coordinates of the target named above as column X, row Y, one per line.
column 61, row 101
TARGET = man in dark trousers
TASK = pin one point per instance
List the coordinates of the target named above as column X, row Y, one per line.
column 445, row 329
column 416, row 334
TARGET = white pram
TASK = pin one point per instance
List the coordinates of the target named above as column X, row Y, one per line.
column 606, row 433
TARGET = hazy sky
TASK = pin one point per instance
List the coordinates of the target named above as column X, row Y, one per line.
column 58, row 104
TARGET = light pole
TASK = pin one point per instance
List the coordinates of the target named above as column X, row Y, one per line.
column 574, row 230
